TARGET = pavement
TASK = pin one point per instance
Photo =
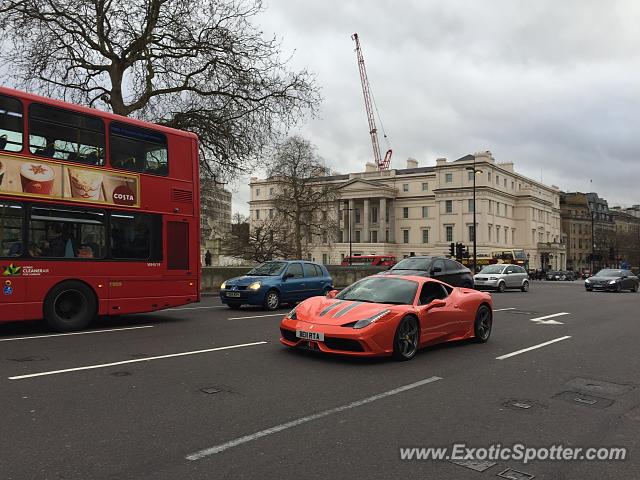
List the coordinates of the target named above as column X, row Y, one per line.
column 204, row 392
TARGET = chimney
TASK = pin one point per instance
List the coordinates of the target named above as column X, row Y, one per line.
column 370, row 167
column 412, row 163
column 441, row 161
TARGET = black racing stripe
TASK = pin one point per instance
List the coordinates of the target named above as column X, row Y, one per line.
column 326, row 310
column 346, row 309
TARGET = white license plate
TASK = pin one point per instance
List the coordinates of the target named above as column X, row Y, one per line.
column 233, row 294
column 310, row 335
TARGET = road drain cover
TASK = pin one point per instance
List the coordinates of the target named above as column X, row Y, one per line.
column 512, row 474
column 521, row 405
column 477, row 465
column 121, row 374
column 601, row 387
column 579, row 398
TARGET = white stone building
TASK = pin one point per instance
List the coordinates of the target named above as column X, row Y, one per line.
column 421, row 210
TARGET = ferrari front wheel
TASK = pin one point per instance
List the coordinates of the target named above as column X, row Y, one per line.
column 483, row 323
column 406, row 339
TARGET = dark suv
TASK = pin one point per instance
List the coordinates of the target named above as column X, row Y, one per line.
column 443, row 269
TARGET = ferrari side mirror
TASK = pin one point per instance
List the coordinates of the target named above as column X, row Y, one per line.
column 332, row 294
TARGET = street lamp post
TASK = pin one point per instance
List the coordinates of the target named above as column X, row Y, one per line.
column 593, row 241
column 475, row 223
column 350, row 243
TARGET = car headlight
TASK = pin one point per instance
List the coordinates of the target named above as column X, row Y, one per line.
column 368, row 321
column 493, row 278
column 254, row 286
column 587, row 281
column 223, row 286
column 612, row 282
column 292, row 315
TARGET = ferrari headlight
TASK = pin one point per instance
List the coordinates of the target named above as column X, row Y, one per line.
column 612, row 282
column 223, row 286
column 254, row 286
column 292, row 315
column 368, row 321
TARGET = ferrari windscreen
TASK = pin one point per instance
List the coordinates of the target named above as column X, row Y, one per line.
column 381, row 290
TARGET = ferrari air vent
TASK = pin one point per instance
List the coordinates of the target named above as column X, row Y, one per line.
column 182, row 196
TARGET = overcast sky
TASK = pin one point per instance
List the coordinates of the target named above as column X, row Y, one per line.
column 552, row 86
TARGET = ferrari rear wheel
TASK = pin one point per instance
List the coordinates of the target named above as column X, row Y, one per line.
column 406, row 340
column 483, row 323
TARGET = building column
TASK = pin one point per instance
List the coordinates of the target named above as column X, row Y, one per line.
column 365, row 223
column 382, row 221
column 392, row 220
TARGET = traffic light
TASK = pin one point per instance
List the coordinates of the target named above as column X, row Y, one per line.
column 452, row 249
column 458, row 251
column 465, row 251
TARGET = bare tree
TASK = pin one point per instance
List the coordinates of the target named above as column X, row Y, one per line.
column 266, row 240
column 299, row 198
column 197, row 65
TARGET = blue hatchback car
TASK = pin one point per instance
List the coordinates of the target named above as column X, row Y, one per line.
column 273, row 283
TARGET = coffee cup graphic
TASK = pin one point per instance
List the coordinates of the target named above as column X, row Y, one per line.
column 85, row 184
column 37, row 178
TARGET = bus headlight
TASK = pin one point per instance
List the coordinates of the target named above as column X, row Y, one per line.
column 254, row 286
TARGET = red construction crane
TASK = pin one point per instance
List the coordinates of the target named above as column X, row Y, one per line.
column 382, row 163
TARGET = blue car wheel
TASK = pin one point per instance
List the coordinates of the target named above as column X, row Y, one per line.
column 272, row 300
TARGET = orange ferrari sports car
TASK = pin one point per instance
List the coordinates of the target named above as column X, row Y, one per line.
column 385, row 315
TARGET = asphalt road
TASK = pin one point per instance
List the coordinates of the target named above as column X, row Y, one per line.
column 116, row 402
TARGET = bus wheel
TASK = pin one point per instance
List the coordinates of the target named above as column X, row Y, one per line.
column 70, row 306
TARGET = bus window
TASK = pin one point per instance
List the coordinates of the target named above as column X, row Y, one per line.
column 10, row 230
column 11, row 126
column 137, row 149
column 65, row 135
column 60, row 232
column 136, row 236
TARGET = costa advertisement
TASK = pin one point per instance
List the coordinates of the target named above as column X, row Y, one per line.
column 77, row 183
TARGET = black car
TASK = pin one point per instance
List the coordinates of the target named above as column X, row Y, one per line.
column 443, row 269
column 613, row 279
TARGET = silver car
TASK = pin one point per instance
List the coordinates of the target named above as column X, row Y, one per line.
column 502, row 276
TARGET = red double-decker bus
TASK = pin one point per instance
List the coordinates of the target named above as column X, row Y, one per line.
column 99, row 214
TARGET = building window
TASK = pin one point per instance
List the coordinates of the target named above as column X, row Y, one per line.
column 357, row 236
column 471, row 205
column 405, row 236
column 490, row 206
column 257, row 192
column 470, row 175
column 425, row 186
column 448, row 177
column 505, row 183
column 497, row 233
column 257, row 214
column 449, row 233
column 497, row 208
column 506, row 232
column 533, row 236
column 374, row 236
column 271, row 213
column 489, row 176
column 425, row 236
column 425, row 212
column 513, row 185
column 11, row 125
column 497, row 179
column 489, row 229
column 374, row 214
column 448, row 206
column 405, row 187
column 271, row 191
column 324, row 237
column 325, row 260
column 405, row 212
column 386, row 236
column 324, row 215
column 472, row 233
column 513, row 236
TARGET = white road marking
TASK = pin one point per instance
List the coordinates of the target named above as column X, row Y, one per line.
column 544, row 321
column 89, row 332
column 147, row 359
column 503, row 309
column 540, row 345
column 259, row 316
column 189, row 308
column 294, row 423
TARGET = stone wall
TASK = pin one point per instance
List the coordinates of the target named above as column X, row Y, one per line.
column 212, row 277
